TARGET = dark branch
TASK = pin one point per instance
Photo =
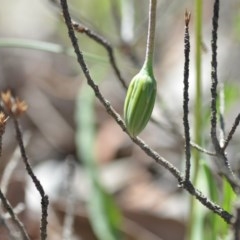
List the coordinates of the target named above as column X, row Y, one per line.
column 232, row 131
column 222, row 161
column 214, row 75
column 14, row 217
column 102, row 41
column 207, row 203
column 186, row 97
column 44, row 197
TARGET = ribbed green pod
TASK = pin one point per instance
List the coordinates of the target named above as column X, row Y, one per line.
column 139, row 101
column 141, row 94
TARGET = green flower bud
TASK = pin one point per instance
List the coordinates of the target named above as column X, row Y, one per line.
column 139, row 101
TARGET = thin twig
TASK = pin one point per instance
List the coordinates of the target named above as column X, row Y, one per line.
column 186, row 97
column 14, row 217
column 214, row 75
column 203, row 150
column 19, row 208
column 154, row 155
column 44, row 197
column 222, row 161
column 232, row 131
column 103, row 42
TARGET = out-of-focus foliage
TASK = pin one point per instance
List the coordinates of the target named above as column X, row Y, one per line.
column 103, row 213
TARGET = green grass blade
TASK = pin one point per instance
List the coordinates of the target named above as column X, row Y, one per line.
column 229, row 197
column 214, row 196
column 44, row 46
column 104, row 215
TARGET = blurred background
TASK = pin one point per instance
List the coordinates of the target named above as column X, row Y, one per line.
column 38, row 65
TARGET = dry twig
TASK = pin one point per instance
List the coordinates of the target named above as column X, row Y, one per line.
column 186, row 97
column 222, row 160
column 14, row 217
column 44, row 197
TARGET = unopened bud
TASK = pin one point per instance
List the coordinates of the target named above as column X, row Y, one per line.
column 139, row 101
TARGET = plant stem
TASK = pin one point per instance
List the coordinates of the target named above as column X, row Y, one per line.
column 151, row 34
column 198, row 110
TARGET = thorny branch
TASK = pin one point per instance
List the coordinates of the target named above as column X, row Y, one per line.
column 159, row 159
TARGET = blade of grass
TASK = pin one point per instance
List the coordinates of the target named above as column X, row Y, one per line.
column 199, row 231
column 213, row 193
column 229, row 198
column 198, row 111
column 104, row 215
column 44, row 46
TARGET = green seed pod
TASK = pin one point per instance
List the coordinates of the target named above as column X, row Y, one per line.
column 139, row 101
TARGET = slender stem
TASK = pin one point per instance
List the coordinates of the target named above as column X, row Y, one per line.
column 224, row 165
column 198, row 109
column 186, row 97
column 232, row 131
column 14, row 217
column 214, row 76
column 102, row 41
column 151, row 34
column 37, row 183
